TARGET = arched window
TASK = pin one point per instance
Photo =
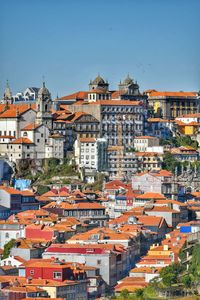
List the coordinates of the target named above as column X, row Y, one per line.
column 46, row 107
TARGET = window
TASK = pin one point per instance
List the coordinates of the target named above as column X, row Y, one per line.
column 7, row 235
column 57, row 275
column 28, row 147
column 38, row 140
column 98, row 262
column 42, row 134
column 31, row 272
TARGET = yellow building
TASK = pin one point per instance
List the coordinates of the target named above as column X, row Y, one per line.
column 191, row 128
column 170, row 105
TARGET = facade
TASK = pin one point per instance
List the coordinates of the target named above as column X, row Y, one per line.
column 91, row 153
column 158, row 182
column 161, row 128
column 94, row 213
column 149, row 161
column 185, row 153
column 10, row 230
column 110, row 259
column 121, row 121
column 170, row 105
column 121, row 164
column 142, row 143
column 27, row 132
column 14, row 200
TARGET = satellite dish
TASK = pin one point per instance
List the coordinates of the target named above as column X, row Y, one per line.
column 59, row 201
column 132, row 220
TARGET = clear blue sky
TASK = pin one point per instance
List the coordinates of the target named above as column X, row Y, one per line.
column 70, row 41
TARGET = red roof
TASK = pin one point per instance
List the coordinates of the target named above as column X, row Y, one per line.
column 22, row 140
column 150, row 195
column 173, row 94
column 31, row 126
column 87, row 140
column 75, row 96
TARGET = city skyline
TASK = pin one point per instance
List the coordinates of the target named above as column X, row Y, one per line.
column 70, row 43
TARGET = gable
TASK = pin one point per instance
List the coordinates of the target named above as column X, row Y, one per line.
column 87, row 118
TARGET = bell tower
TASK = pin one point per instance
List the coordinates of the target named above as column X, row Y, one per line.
column 43, row 107
column 7, row 97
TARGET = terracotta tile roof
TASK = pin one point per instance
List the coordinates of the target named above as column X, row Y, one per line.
column 145, row 137
column 14, row 110
column 150, row 220
column 168, row 201
column 196, row 115
column 184, row 149
column 162, row 209
column 157, row 120
column 87, row 247
column 119, row 102
column 22, row 140
column 7, row 137
column 103, row 233
column 162, row 173
column 10, row 190
column 117, row 94
column 56, row 136
column 77, row 115
column 146, row 270
column 31, row 126
column 111, row 103
column 159, row 173
column 76, row 96
column 23, row 289
column 87, row 140
column 77, row 206
column 157, row 94
column 27, row 193
column 150, row 195
column 147, row 154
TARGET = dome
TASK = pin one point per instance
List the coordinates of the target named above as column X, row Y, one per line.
column 43, row 91
column 128, row 80
column 98, row 80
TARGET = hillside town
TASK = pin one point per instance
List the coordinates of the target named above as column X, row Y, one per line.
column 99, row 193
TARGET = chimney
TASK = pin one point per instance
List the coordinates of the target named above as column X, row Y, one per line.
column 165, row 247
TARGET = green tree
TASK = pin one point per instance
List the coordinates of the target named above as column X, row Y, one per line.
column 170, row 163
column 170, row 274
column 186, row 281
column 186, row 140
column 194, row 266
column 7, row 248
column 139, row 294
column 41, row 189
column 124, row 293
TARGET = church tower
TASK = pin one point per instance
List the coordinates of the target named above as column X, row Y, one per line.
column 43, row 107
column 7, row 97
